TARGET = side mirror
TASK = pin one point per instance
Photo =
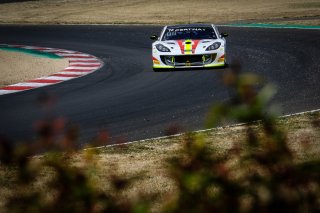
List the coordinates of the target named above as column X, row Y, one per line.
column 224, row 35
column 154, row 37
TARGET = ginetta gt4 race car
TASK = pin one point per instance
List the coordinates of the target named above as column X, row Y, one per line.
column 189, row 46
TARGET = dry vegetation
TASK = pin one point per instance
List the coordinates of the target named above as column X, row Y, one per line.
column 17, row 67
column 149, row 158
column 147, row 162
column 158, row 11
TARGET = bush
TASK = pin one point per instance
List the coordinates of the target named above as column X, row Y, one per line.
column 259, row 175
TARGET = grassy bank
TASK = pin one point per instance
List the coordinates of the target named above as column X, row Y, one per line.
column 160, row 12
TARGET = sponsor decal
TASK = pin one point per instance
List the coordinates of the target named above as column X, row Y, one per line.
column 181, row 45
column 221, row 59
column 155, row 61
column 186, row 29
column 194, row 45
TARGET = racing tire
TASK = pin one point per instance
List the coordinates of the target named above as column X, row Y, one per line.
column 226, row 64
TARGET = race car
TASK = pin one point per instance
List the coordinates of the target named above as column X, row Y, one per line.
column 189, row 46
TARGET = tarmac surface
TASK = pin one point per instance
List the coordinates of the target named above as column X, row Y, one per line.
column 131, row 102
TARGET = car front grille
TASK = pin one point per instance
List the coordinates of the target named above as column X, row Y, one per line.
column 188, row 60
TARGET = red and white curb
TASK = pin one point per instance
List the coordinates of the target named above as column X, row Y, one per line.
column 80, row 64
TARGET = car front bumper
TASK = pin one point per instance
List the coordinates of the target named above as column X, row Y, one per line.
column 189, row 61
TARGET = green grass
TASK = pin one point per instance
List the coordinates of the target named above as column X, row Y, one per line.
column 32, row 52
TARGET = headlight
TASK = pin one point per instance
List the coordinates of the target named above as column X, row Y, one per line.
column 162, row 48
column 213, row 46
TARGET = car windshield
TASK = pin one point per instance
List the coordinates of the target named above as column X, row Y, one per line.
column 183, row 33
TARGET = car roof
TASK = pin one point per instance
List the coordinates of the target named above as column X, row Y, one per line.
column 189, row 25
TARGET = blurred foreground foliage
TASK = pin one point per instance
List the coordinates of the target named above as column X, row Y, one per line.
column 260, row 174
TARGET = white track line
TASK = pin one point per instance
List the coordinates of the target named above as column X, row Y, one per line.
column 80, row 68
column 82, row 59
column 4, row 92
column 85, row 63
column 73, row 55
column 30, row 84
column 199, row 131
column 58, row 78
column 59, row 51
column 71, row 73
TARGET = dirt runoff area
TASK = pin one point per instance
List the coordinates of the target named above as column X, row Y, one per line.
column 159, row 12
column 17, row 67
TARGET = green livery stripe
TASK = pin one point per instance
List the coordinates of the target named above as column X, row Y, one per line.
column 156, row 66
column 188, row 47
column 208, row 65
column 215, row 65
column 261, row 25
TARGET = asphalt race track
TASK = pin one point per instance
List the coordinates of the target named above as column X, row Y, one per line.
column 131, row 102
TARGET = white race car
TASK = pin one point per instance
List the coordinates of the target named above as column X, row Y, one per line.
column 189, row 46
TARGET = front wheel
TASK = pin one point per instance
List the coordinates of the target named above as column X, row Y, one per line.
column 226, row 64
